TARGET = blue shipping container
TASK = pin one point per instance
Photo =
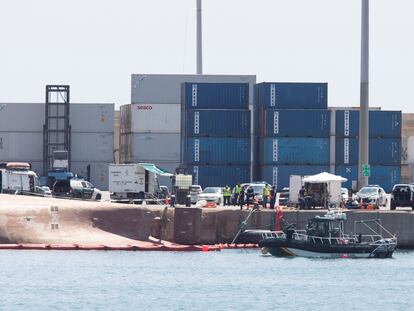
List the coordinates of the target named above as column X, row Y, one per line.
column 215, row 123
column 385, row 176
column 382, row 151
column 295, row 123
column 215, row 95
column 382, row 124
column 219, row 176
column 292, row 95
column 297, row 151
column 279, row 175
column 221, row 151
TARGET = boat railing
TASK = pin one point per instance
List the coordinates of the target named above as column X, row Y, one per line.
column 346, row 239
column 273, row 234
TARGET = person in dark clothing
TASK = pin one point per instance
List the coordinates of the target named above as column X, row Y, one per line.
column 302, row 198
column 250, row 195
column 272, row 195
column 241, row 198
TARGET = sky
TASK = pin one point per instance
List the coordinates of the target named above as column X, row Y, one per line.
column 95, row 46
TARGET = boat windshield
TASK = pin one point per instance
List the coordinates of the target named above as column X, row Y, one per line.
column 368, row 191
column 211, row 190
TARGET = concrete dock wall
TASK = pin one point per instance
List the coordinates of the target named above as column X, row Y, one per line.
column 220, row 225
column 45, row 220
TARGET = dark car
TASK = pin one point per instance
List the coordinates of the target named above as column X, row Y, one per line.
column 284, row 197
column 402, row 195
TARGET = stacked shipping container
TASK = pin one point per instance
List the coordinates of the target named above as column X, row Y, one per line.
column 151, row 133
column 292, row 129
column 92, row 141
column 216, row 141
column 384, row 146
column 21, row 137
column 156, row 134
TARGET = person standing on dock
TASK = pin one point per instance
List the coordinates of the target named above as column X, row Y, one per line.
column 241, row 198
column 272, row 196
column 226, row 195
column 265, row 195
column 237, row 190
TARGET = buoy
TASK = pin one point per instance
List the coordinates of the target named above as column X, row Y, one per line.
column 344, row 256
column 204, row 248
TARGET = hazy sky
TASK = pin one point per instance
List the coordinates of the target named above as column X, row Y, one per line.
column 95, row 45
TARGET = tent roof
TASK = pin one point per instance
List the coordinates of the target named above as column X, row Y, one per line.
column 155, row 169
column 323, row 178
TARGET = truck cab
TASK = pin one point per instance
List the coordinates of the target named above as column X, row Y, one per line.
column 17, row 177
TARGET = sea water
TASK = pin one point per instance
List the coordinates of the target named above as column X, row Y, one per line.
column 226, row 280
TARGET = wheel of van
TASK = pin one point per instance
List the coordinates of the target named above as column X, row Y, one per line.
column 386, row 203
column 392, row 206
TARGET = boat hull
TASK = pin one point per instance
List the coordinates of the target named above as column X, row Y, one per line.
column 283, row 247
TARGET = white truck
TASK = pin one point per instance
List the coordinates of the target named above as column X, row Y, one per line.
column 17, row 177
column 134, row 181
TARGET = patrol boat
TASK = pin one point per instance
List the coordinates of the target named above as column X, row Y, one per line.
column 324, row 237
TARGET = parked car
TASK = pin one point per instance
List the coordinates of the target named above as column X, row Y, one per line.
column 257, row 188
column 402, row 195
column 76, row 188
column 284, row 196
column 43, row 190
column 212, row 194
column 195, row 190
column 344, row 194
column 372, row 194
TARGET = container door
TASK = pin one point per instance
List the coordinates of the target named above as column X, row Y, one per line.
column 295, row 184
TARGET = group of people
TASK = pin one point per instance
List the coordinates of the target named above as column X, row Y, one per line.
column 246, row 196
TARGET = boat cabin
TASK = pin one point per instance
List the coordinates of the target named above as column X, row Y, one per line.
column 328, row 226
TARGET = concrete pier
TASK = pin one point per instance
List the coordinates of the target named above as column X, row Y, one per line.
column 25, row 219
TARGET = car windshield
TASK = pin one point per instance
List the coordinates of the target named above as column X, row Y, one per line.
column 368, row 191
column 211, row 190
column 258, row 188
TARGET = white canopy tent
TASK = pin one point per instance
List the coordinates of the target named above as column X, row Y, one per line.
column 333, row 185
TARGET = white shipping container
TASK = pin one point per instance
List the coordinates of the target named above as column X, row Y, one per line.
column 130, row 178
column 92, row 118
column 155, row 118
column 21, row 146
column 166, row 89
column 150, row 147
column 98, row 173
column 22, row 117
column 96, row 147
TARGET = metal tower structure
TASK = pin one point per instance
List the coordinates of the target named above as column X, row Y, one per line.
column 56, row 130
column 363, row 165
column 199, row 40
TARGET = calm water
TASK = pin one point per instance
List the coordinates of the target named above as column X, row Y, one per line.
column 227, row 280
